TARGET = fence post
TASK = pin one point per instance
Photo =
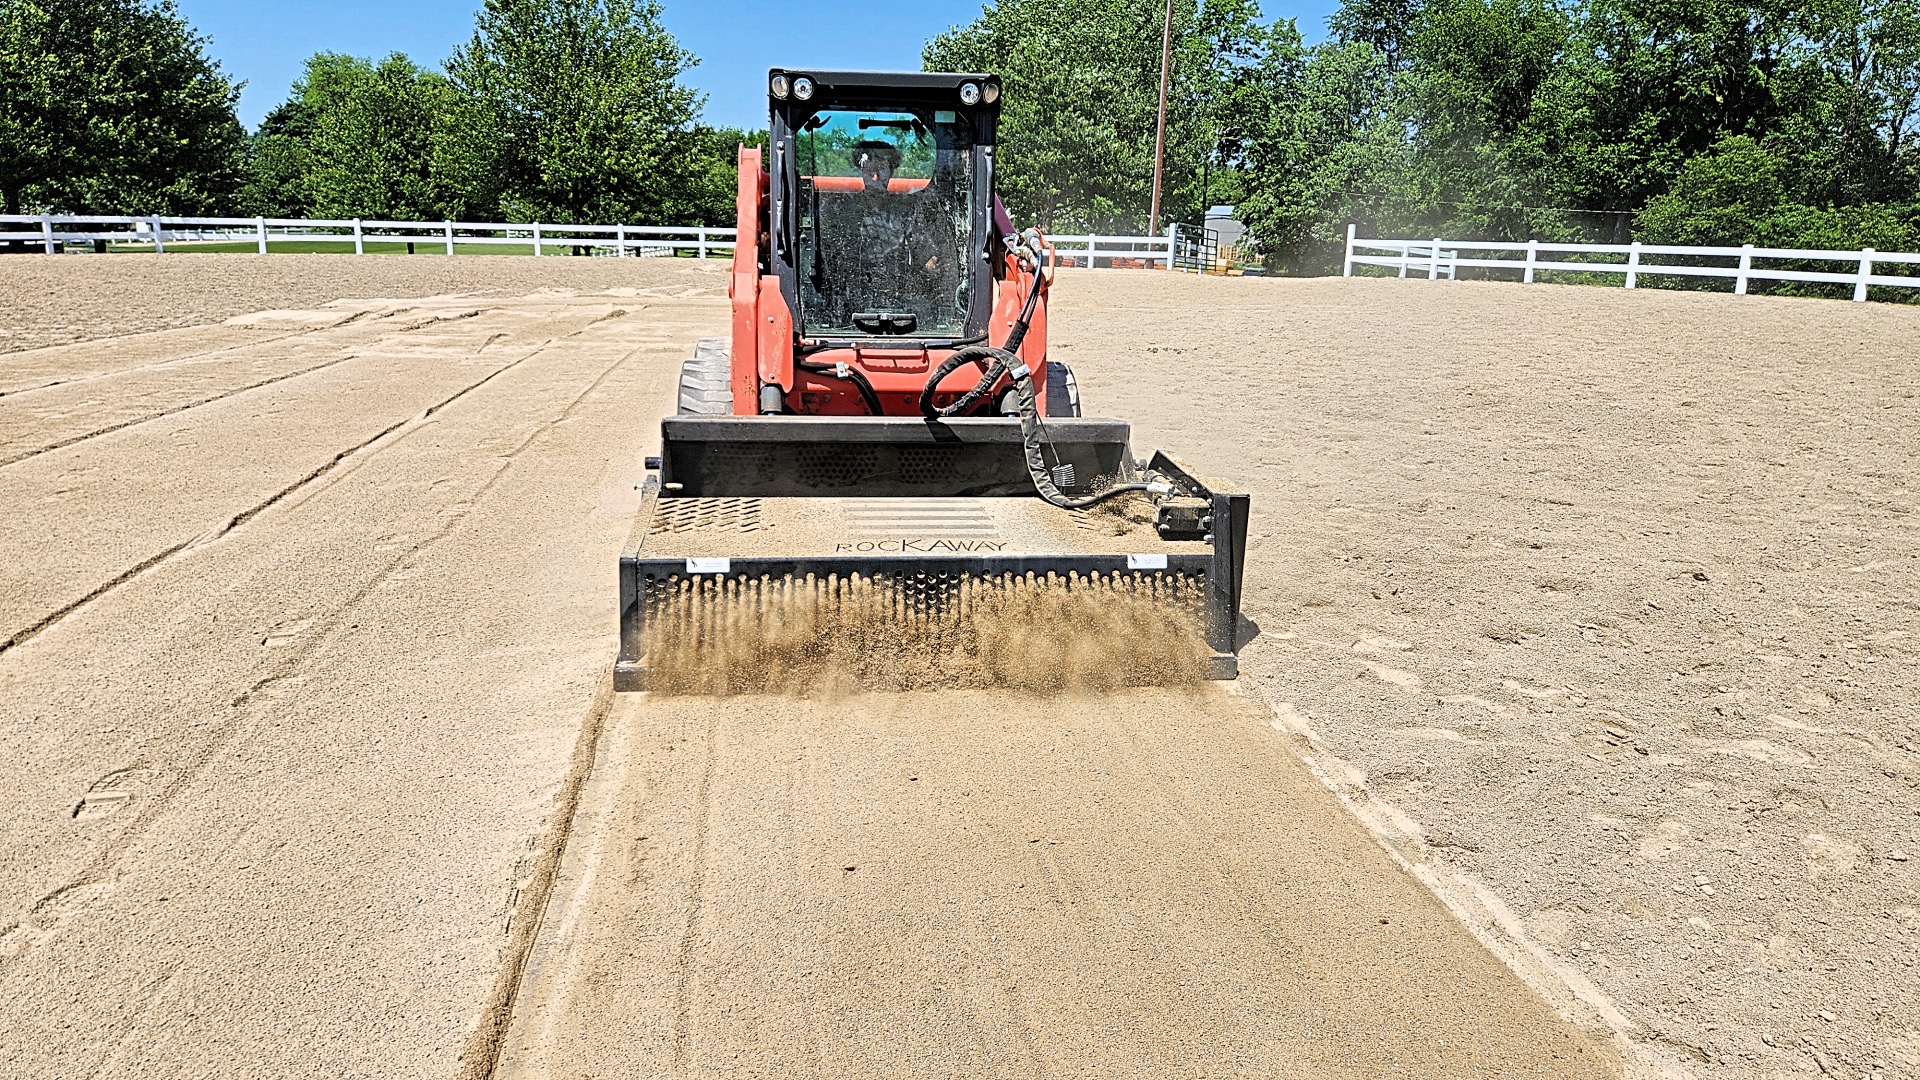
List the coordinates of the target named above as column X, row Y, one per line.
column 1633, row 264
column 1433, row 263
column 448, row 225
column 46, row 231
column 1093, row 244
column 1746, row 264
column 1346, row 270
column 1406, row 255
column 703, row 241
column 620, row 241
column 1866, row 271
column 536, row 238
column 159, row 241
column 1173, row 231
column 359, row 239
column 1533, row 257
column 260, row 228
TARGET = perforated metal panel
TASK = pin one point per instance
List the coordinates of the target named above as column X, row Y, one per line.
column 686, row 515
column 927, row 464
column 837, row 466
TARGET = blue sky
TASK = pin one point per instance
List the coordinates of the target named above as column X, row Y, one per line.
column 265, row 42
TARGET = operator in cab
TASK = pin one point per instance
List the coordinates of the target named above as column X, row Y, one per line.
column 897, row 257
column 876, row 161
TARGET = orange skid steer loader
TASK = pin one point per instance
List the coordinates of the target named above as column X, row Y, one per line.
column 883, row 458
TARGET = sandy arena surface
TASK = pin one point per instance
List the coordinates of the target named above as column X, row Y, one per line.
column 1595, row 607
column 986, row 884
column 51, row 302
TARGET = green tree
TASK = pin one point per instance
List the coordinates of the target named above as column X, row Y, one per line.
column 1652, row 83
column 372, row 132
column 279, row 162
column 717, row 180
column 1863, row 146
column 1718, row 196
column 1739, row 193
column 1082, row 82
column 1325, row 137
column 572, row 111
column 1729, row 121
column 1388, row 26
column 358, row 139
column 112, row 106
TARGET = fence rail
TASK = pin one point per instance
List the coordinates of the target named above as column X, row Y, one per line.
column 1120, row 251
column 52, row 232
column 1432, row 259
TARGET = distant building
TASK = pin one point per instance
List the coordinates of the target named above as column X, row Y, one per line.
column 1225, row 229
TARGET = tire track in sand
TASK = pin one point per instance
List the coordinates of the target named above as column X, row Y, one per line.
column 45, row 918
column 696, row 893
column 161, row 414
column 164, row 413
column 398, row 429
column 170, row 361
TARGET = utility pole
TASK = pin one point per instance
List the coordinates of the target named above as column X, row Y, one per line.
column 1160, row 128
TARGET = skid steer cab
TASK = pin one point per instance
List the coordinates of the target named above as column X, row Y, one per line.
column 884, row 422
column 871, row 251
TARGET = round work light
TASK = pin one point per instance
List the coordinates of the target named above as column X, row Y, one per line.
column 969, row 93
column 779, row 87
column 803, row 88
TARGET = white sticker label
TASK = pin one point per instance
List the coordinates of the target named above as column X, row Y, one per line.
column 1145, row 562
column 721, row 566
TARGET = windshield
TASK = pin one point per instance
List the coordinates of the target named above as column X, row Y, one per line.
column 885, row 216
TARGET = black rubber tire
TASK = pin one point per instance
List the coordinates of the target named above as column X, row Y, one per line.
column 1063, row 393
column 706, row 381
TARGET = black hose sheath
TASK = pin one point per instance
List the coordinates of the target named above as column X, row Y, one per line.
column 1037, row 465
column 1003, row 360
column 988, row 377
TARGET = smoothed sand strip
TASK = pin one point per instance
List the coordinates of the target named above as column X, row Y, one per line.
column 981, row 883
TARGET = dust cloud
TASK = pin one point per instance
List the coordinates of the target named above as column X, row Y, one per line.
column 832, row 635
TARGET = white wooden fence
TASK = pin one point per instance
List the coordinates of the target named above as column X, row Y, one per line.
column 53, row 231
column 1431, row 259
column 1083, row 250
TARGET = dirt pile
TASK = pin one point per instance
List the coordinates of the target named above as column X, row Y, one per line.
column 837, row 635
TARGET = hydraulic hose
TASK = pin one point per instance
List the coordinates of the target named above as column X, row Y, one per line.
column 854, row 376
column 974, row 354
column 969, row 355
column 1005, row 361
column 1032, row 436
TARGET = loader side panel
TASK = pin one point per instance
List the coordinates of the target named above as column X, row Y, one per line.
column 744, row 285
column 775, row 326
